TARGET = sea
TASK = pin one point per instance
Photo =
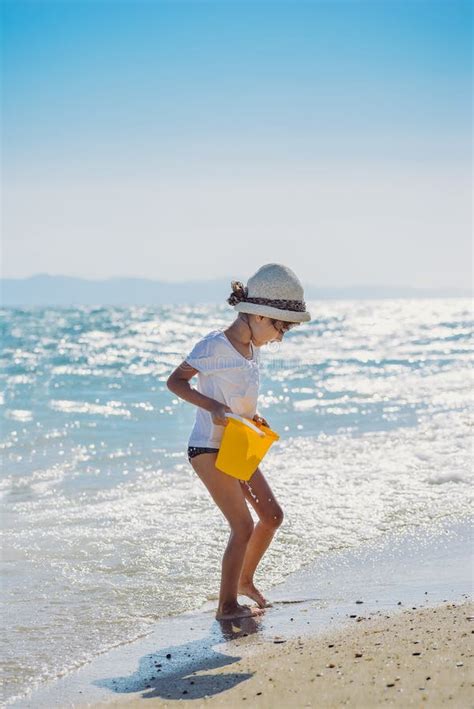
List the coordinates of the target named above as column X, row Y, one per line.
column 106, row 529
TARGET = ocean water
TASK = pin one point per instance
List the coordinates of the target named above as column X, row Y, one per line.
column 106, row 527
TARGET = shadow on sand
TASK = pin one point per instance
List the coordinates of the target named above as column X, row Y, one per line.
column 181, row 671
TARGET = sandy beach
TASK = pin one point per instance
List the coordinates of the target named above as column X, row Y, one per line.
column 416, row 657
column 388, row 623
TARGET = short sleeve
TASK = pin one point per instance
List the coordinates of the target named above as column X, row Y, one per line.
column 203, row 357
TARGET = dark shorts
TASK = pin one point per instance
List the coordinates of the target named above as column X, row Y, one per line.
column 193, row 451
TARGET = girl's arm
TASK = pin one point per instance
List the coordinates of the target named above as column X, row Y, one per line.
column 178, row 383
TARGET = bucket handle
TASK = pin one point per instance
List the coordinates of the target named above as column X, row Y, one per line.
column 246, row 422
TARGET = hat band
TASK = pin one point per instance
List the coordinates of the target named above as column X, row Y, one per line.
column 240, row 295
column 298, row 306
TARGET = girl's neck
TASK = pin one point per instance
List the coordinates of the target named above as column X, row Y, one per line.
column 240, row 332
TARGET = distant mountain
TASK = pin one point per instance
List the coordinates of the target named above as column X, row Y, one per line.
column 43, row 289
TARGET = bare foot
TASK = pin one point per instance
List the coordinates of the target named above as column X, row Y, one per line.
column 237, row 611
column 247, row 588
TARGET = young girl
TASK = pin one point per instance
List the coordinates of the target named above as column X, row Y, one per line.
column 226, row 362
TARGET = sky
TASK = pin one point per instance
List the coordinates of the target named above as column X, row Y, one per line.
column 182, row 140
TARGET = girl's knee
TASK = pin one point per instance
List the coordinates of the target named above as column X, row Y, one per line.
column 242, row 531
column 274, row 519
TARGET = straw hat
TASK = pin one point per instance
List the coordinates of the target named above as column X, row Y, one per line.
column 275, row 291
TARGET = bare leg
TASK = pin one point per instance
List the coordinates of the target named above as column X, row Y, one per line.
column 231, row 568
column 228, row 495
column 259, row 494
column 256, row 548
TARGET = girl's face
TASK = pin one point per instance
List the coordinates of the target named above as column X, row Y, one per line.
column 264, row 329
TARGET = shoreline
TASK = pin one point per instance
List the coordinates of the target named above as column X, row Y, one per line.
column 421, row 567
column 414, row 656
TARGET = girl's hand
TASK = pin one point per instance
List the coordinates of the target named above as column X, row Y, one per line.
column 260, row 420
column 218, row 414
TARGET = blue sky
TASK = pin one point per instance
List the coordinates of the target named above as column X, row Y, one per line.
column 141, row 138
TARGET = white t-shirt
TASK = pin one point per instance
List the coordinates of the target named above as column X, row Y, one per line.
column 226, row 376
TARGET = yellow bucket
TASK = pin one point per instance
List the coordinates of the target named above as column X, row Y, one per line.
column 244, row 444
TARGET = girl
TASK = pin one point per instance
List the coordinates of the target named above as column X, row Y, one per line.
column 226, row 362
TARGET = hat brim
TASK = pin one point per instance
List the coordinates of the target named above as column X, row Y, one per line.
column 269, row 312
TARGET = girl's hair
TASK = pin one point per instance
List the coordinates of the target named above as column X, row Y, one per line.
column 239, row 293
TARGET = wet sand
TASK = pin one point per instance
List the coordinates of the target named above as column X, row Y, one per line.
column 417, row 657
column 341, row 631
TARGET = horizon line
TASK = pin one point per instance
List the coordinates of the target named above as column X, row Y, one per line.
column 225, row 278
